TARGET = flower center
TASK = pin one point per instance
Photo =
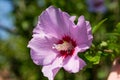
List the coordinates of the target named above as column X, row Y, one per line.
column 98, row 3
column 65, row 46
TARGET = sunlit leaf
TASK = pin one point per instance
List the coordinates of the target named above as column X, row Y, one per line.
column 94, row 59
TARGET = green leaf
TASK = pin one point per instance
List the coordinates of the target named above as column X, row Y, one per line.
column 118, row 27
column 94, row 59
column 95, row 28
column 103, row 44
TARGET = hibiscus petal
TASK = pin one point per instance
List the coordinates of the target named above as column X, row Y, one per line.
column 51, row 70
column 89, row 32
column 54, row 22
column 96, row 6
column 72, row 18
column 41, row 50
column 82, row 30
column 73, row 64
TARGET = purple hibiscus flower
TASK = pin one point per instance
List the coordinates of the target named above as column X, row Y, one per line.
column 96, row 6
column 57, row 40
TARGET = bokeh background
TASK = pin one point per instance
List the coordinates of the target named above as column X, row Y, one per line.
column 19, row 17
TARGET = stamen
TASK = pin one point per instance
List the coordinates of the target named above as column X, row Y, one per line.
column 65, row 46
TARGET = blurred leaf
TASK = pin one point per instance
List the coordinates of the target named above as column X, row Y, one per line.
column 118, row 25
column 103, row 44
column 118, row 28
column 95, row 28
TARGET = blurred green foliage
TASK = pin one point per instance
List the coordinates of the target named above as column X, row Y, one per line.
column 15, row 61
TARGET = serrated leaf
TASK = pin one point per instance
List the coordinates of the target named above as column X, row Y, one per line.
column 94, row 59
